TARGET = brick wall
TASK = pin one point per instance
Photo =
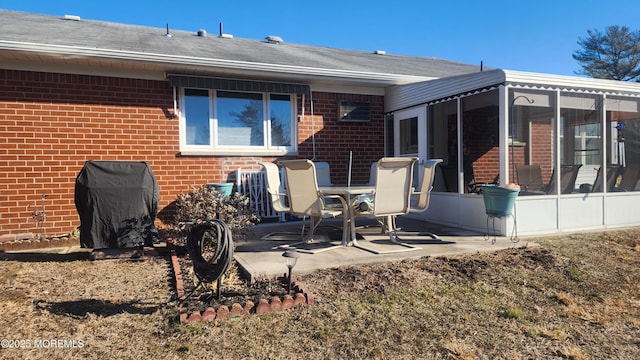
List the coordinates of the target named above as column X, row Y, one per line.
column 335, row 139
column 539, row 151
column 50, row 124
column 541, row 147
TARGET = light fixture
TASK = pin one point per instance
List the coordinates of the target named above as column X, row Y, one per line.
column 291, row 258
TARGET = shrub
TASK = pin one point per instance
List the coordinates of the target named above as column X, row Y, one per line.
column 205, row 203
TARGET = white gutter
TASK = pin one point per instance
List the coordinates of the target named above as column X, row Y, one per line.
column 407, row 95
column 570, row 82
column 111, row 54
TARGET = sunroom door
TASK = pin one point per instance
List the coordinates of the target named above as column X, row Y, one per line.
column 410, row 129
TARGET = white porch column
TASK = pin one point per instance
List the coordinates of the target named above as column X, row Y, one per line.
column 503, row 134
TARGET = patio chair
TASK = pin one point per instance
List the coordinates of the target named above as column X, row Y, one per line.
column 372, row 173
column 423, row 194
column 274, row 187
column 530, row 179
column 305, row 200
column 391, row 197
column 363, row 203
column 323, row 173
column 323, row 177
column 568, row 176
column 630, row 177
column 278, row 199
column 472, row 185
column 427, row 173
column 613, row 171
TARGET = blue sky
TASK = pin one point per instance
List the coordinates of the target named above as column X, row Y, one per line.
column 537, row 36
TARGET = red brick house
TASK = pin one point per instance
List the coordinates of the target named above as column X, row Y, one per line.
column 73, row 90
column 197, row 107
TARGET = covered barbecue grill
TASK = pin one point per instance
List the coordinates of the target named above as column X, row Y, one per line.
column 117, row 202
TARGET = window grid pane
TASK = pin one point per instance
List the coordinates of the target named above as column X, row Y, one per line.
column 280, row 120
column 197, row 117
column 240, row 119
column 409, row 136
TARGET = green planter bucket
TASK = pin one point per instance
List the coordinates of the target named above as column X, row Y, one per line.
column 224, row 189
column 498, row 200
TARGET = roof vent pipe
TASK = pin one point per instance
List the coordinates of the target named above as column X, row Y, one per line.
column 222, row 34
column 272, row 39
column 167, row 34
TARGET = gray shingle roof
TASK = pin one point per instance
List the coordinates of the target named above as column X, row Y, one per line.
column 128, row 42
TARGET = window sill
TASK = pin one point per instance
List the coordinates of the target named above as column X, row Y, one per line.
column 238, row 152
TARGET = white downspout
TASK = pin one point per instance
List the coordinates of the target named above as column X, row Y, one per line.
column 175, row 103
column 313, row 127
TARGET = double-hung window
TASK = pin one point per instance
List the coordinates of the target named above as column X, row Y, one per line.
column 221, row 121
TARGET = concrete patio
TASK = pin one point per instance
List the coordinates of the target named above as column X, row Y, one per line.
column 259, row 257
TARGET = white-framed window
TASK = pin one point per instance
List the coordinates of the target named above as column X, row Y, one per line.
column 221, row 121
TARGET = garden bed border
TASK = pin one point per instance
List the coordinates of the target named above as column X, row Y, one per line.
column 301, row 297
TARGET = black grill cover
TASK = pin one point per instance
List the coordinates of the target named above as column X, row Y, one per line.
column 117, row 202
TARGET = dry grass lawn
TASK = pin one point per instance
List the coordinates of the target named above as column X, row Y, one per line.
column 575, row 297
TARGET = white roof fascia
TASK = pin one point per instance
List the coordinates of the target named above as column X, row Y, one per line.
column 405, row 96
column 571, row 82
column 176, row 60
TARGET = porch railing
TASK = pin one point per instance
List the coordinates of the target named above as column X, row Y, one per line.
column 253, row 185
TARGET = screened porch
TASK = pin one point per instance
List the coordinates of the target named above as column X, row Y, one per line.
column 572, row 144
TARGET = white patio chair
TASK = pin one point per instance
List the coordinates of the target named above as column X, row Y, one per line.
column 323, row 173
column 372, row 173
column 278, row 199
column 274, row 187
column 391, row 197
column 306, row 200
column 323, row 176
column 368, row 199
column 427, row 173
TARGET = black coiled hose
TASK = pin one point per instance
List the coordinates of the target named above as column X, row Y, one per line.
column 204, row 236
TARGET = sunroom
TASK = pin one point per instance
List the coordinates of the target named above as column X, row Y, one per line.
column 572, row 144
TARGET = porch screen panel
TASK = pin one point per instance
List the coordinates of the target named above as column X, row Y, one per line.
column 623, row 135
column 480, row 129
column 581, row 138
column 532, row 141
column 442, row 122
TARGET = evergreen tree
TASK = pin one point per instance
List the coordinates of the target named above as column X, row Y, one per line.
column 613, row 55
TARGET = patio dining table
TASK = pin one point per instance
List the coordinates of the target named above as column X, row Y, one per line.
column 348, row 192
